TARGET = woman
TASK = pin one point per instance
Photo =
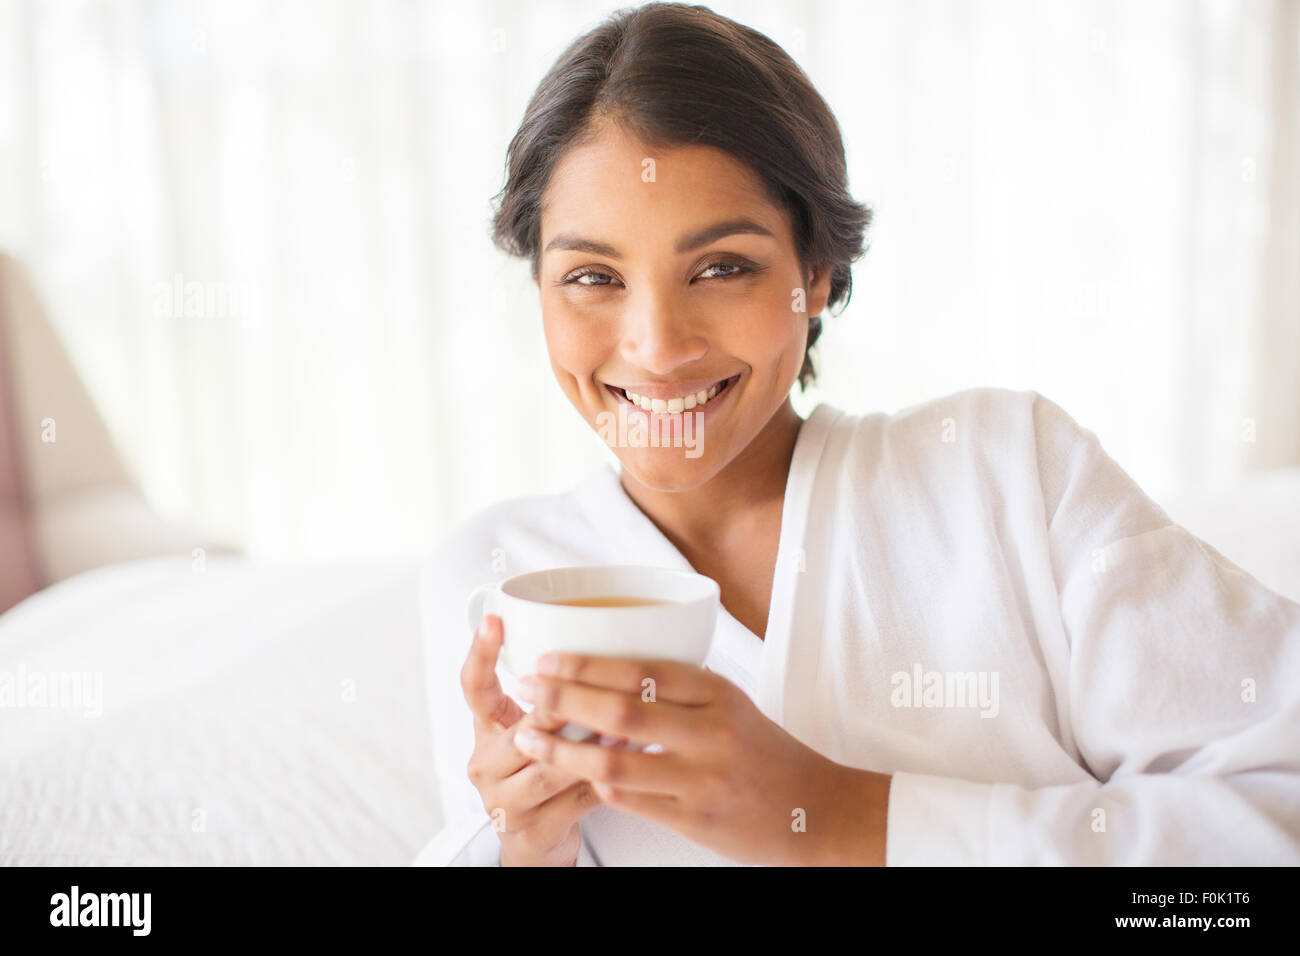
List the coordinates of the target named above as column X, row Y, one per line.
column 957, row 634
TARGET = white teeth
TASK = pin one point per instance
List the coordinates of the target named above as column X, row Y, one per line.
column 671, row 405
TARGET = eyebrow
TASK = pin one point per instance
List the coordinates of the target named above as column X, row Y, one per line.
column 687, row 243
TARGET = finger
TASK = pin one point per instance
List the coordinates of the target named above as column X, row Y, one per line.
column 660, row 808
column 664, row 680
column 545, row 720
column 491, row 707
column 533, row 784
column 561, row 811
column 497, row 774
column 504, row 758
column 614, row 712
column 660, row 773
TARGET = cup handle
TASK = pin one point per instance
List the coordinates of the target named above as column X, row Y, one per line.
column 478, row 604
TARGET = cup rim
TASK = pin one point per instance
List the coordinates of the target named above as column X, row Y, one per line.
column 714, row 591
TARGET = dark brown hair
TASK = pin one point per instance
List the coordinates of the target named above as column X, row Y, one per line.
column 679, row 74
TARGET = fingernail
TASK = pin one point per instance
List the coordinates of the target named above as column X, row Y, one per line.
column 548, row 664
column 527, row 741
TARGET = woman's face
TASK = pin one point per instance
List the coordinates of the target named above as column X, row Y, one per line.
column 666, row 274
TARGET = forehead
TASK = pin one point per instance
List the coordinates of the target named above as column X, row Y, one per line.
column 617, row 183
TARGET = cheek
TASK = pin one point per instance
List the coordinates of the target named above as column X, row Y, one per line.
column 773, row 334
column 574, row 344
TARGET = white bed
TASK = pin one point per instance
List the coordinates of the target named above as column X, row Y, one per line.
column 250, row 715
column 277, row 715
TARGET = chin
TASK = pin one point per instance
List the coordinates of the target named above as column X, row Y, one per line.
column 668, row 469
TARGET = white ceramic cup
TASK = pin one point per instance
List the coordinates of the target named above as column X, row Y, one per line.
column 680, row 629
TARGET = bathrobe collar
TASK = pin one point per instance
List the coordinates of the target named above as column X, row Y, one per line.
column 634, row 539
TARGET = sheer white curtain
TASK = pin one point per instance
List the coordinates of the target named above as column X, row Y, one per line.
column 262, row 230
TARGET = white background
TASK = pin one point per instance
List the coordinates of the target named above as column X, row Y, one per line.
column 1097, row 200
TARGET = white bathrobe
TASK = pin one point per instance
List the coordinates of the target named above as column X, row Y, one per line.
column 970, row 595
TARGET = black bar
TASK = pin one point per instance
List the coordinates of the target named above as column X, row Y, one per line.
column 334, row 905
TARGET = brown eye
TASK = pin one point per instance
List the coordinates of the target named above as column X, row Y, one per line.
column 574, row 277
column 599, row 278
column 722, row 265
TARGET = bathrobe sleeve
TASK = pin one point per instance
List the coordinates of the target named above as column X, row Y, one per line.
column 1181, row 678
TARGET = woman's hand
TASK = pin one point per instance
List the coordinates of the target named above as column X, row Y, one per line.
column 535, row 808
column 724, row 775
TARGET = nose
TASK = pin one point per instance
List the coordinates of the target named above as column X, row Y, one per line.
column 660, row 336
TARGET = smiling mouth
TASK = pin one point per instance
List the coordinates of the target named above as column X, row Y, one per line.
column 672, row 406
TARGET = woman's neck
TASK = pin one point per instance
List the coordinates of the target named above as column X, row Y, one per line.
column 755, row 478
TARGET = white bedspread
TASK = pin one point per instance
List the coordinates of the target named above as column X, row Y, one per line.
column 250, row 715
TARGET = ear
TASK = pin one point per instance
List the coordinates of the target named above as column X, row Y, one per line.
column 819, row 288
